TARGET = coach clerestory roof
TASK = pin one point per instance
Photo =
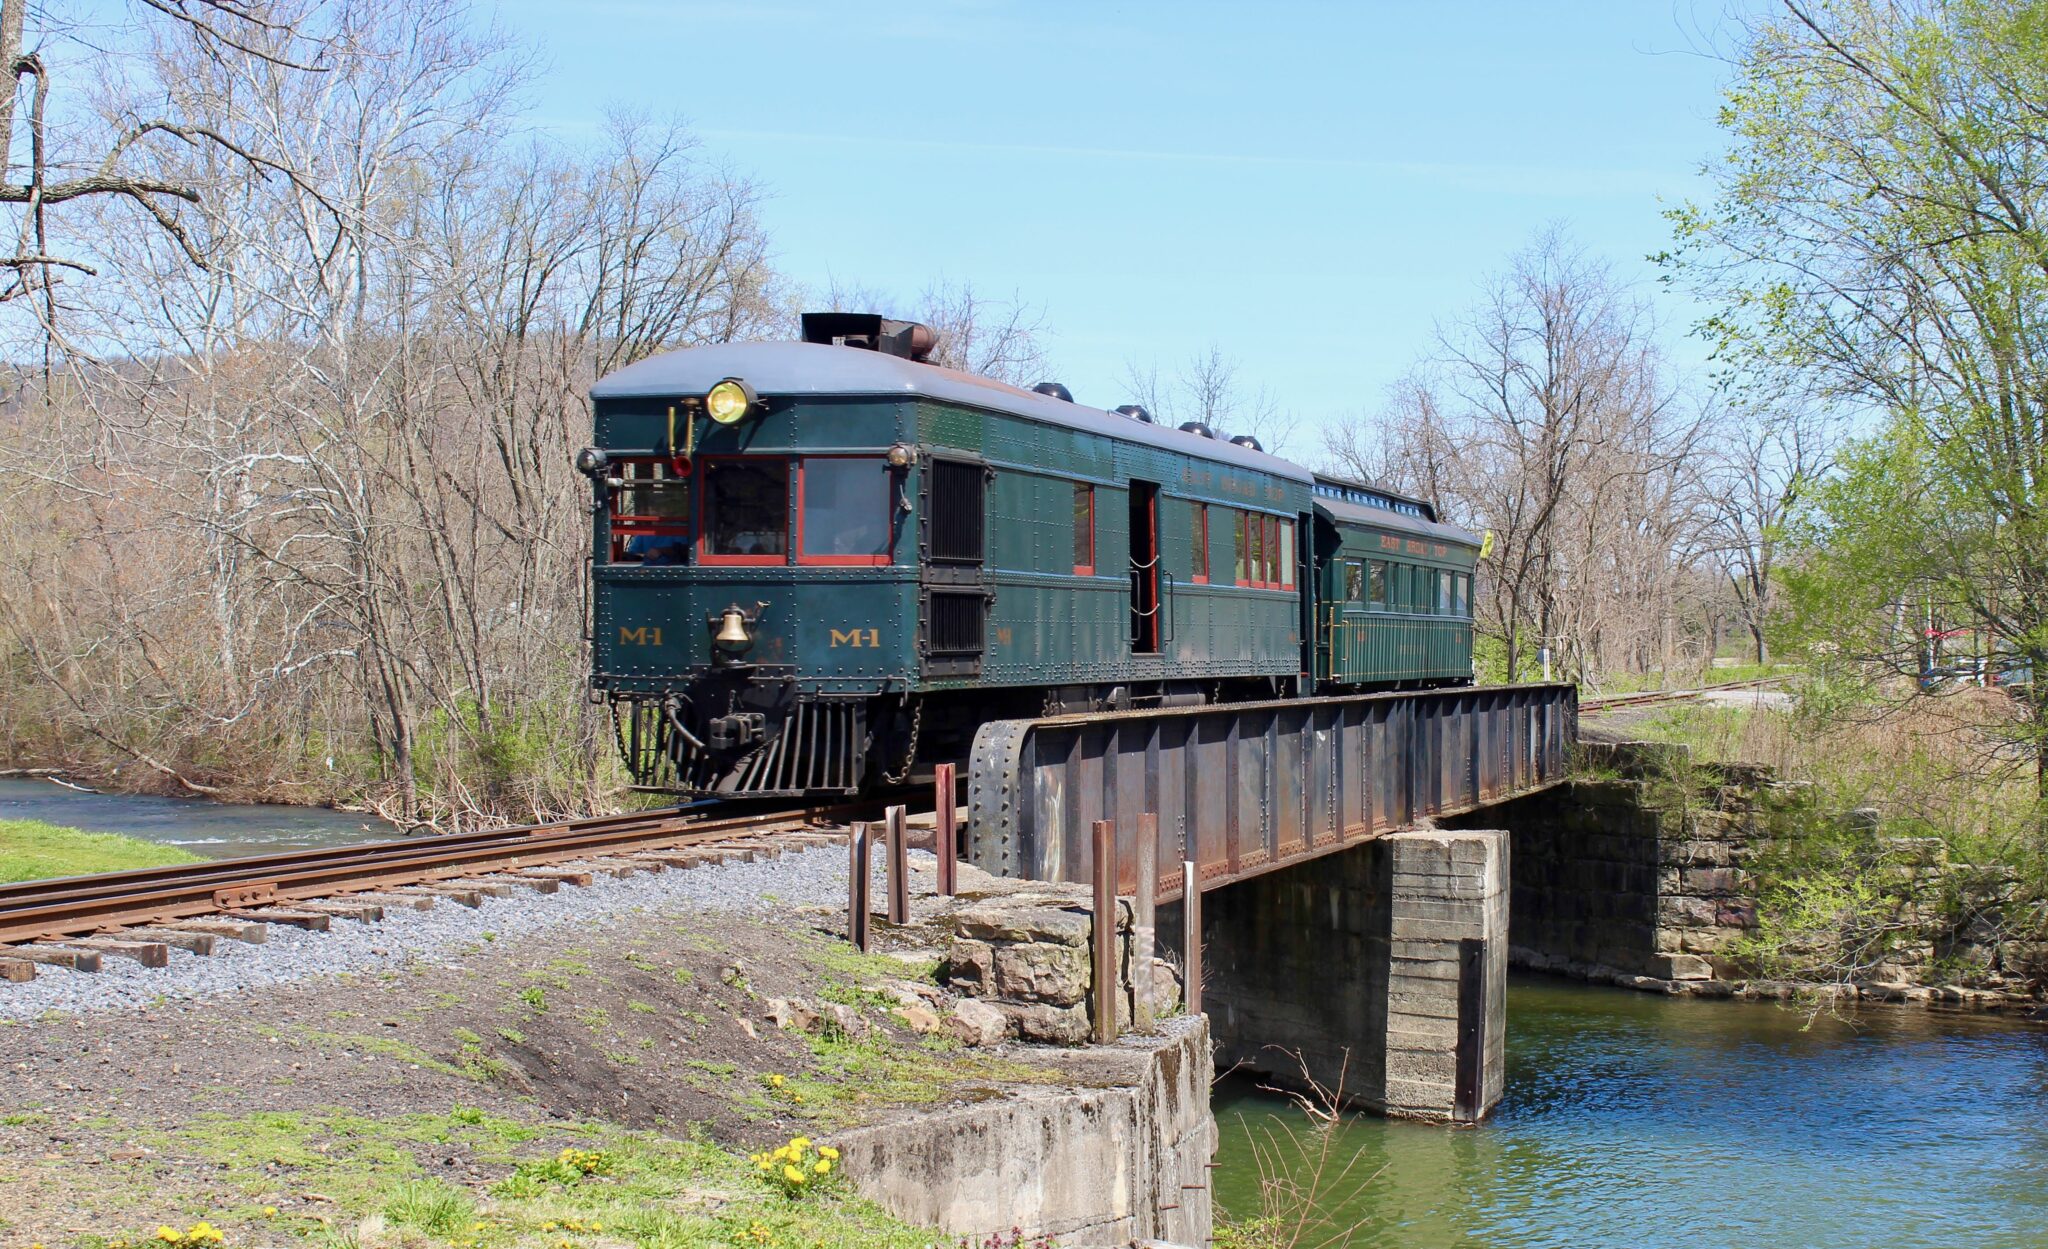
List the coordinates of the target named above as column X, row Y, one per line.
column 1345, row 513
column 795, row 370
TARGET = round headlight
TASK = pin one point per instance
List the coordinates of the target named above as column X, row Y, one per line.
column 730, row 400
column 590, row 461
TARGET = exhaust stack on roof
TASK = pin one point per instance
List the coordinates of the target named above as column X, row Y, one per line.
column 870, row 332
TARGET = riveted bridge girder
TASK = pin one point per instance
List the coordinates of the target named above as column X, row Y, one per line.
column 1244, row 788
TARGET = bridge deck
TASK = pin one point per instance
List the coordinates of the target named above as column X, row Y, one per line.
column 1245, row 788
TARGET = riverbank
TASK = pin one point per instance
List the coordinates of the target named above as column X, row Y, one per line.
column 33, row 850
column 414, row 1083
column 194, row 826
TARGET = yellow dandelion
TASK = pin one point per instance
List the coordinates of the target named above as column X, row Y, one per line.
column 777, row 1081
column 168, row 1234
column 828, row 1152
column 270, row 1212
column 822, row 1166
column 793, row 1175
column 799, row 1143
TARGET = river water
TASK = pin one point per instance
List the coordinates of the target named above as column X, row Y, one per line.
column 1636, row 1120
column 213, row 830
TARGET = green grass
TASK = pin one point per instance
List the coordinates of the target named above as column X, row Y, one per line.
column 552, row 1183
column 33, row 850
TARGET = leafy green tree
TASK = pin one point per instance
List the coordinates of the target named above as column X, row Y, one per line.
column 1879, row 240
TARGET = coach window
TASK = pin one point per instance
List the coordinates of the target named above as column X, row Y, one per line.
column 1379, row 584
column 650, row 509
column 1255, row 557
column 1084, row 531
column 1199, row 566
column 842, row 510
column 1444, row 602
column 1354, row 581
column 1239, row 545
column 1464, row 594
column 745, row 511
column 1287, row 555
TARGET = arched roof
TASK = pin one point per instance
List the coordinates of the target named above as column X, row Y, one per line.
column 793, row 370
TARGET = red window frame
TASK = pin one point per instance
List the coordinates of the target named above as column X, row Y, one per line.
column 1272, row 525
column 1088, row 569
column 1199, row 565
column 796, row 548
column 741, row 561
column 1259, row 542
column 625, row 528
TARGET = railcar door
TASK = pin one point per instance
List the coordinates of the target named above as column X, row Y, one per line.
column 1144, row 530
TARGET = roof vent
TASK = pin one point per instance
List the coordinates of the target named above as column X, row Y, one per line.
column 870, row 332
column 1054, row 389
column 1135, row 412
column 1246, row 440
column 1196, row 427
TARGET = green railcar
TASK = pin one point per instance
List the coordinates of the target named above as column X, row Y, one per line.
column 817, row 565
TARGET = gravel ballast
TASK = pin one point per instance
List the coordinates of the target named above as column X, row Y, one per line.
column 441, row 936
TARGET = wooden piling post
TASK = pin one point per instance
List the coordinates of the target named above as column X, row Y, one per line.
column 1105, row 932
column 857, row 888
column 945, row 835
column 1191, row 937
column 899, row 866
column 1145, row 922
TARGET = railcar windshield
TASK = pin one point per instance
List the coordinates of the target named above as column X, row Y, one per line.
column 650, row 513
column 746, row 511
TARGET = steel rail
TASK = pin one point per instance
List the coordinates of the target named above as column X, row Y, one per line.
column 54, row 909
column 1653, row 697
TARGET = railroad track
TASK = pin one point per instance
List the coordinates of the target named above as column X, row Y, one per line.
column 74, row 922
column 1620, row 702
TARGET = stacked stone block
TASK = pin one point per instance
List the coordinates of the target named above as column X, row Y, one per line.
column 1029, row 955
column 1377, row 974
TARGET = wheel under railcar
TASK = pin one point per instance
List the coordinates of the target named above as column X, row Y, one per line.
column 817, row 564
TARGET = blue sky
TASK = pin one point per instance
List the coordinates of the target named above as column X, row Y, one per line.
column 1310, row 186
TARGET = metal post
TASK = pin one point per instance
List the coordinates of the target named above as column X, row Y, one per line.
column 1105, row 932
column 857, row 888
column 1191, row 936
column 1145, row 922
column 946, row 838
column 899, row 866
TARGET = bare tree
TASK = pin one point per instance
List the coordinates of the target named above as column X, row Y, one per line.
column 1766, row 457
column 1208, row 388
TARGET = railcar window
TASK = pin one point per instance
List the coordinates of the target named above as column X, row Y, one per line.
column 1238, row 519
column 1464, row 594
column 1200, row 564
column 1354, row 581
column 843, row 510
column 650, row 510
column 1084, row 531
column 746, row 510
column 1255, row 527
column 1287, row 555
column 1379, row 584
column 1443, row 593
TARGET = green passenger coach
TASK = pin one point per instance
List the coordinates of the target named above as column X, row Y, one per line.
column 819, row 566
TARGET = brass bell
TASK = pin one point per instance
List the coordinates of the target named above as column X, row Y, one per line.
column 732, row 631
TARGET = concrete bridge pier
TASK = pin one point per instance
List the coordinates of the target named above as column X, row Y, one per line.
column 1381, row 969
